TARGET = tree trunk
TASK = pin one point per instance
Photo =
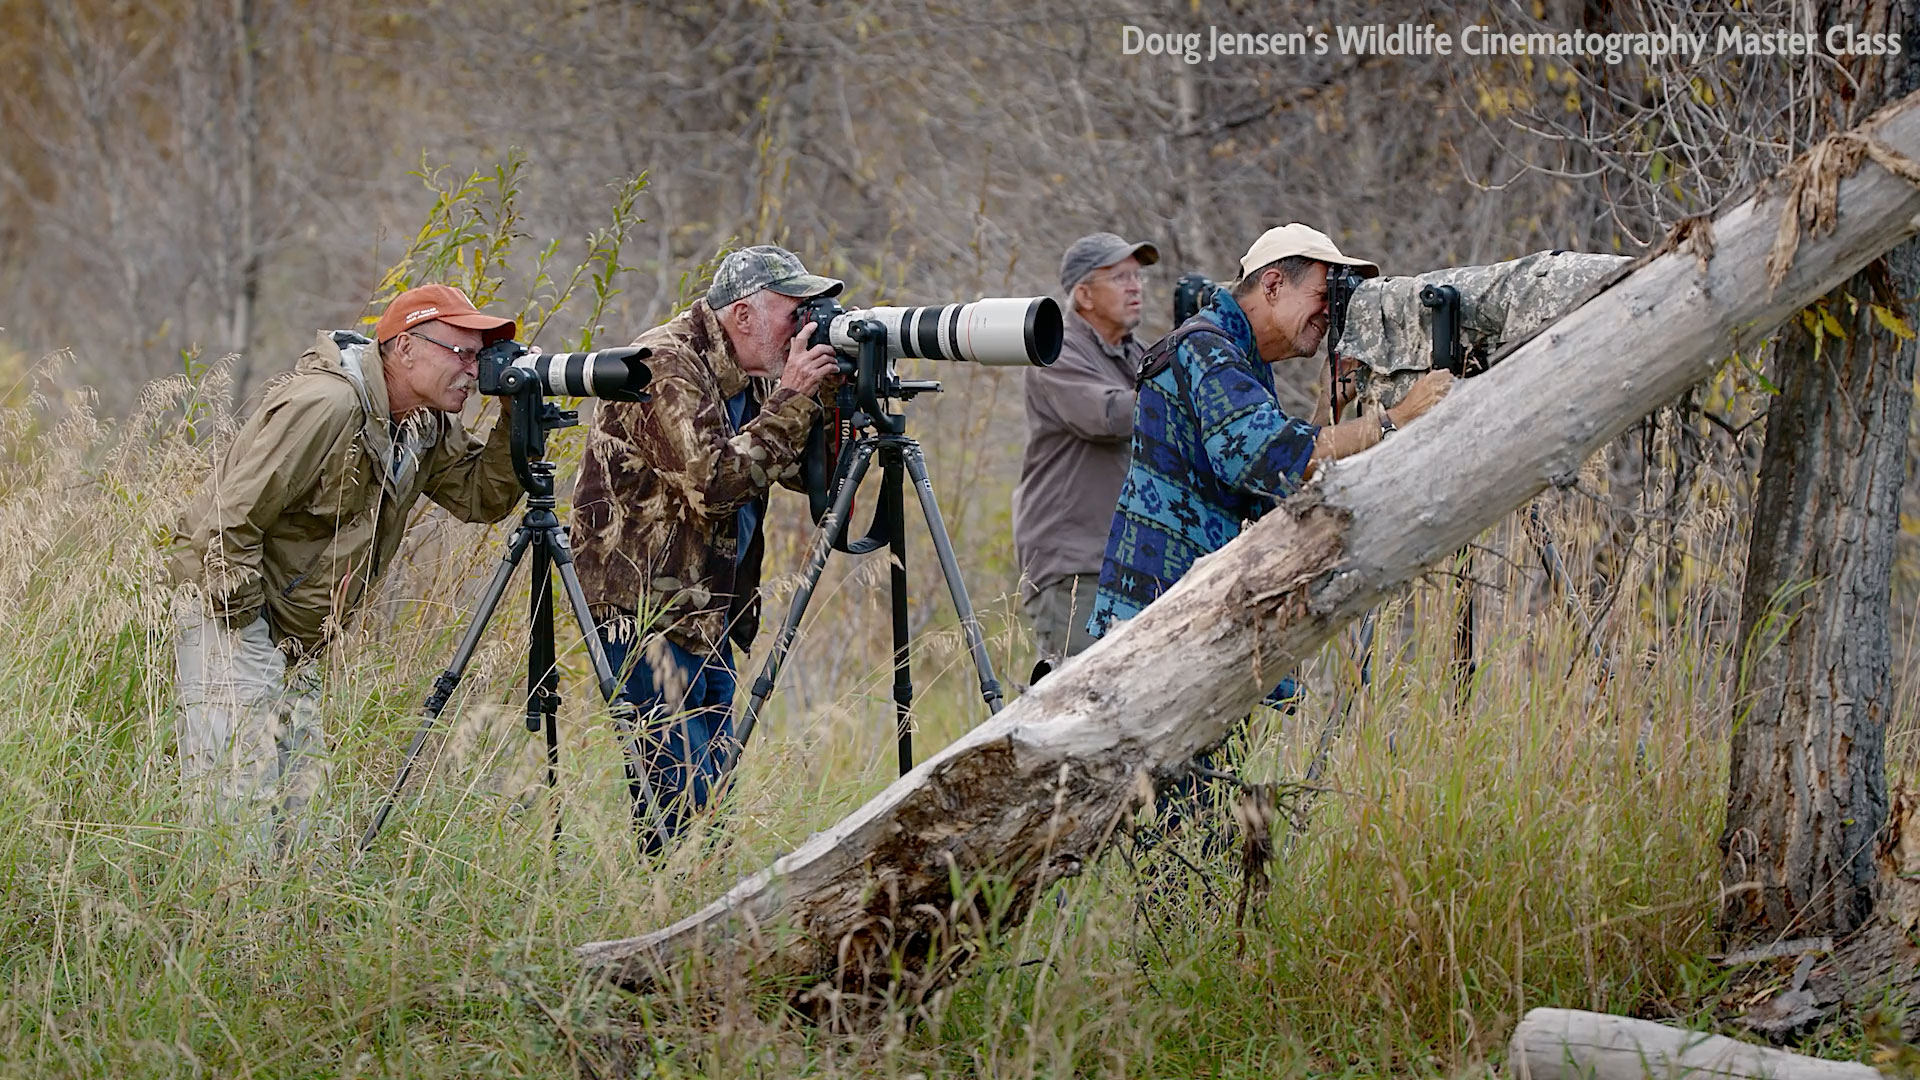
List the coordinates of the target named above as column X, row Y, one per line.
column 246, row 244
column 1194, row 241
column 1807, row 790
column 906, row 887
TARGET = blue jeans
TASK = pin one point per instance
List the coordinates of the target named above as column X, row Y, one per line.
column 685, row 704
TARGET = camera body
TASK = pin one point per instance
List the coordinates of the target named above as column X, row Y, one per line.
column 821, row 311
column 1189, row 295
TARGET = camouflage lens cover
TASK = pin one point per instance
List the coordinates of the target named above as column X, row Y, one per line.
column 1390, row 331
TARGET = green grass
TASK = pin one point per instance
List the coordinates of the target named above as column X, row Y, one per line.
column 1551, row 843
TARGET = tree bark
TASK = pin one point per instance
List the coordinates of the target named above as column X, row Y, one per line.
column 246, row 245
column 1807, row 792
column 1807, row 789
column 908, row 885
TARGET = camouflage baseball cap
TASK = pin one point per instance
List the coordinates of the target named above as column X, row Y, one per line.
column 764, row 266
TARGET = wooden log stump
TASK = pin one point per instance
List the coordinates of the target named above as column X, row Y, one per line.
column 1568, row 1044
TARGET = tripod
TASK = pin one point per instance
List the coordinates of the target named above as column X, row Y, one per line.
column 540, row 530
column 876, row 433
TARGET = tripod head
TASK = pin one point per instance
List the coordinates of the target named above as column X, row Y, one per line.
column 860, row 410
column 532, row 416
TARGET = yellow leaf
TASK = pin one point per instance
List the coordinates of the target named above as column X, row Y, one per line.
column 1832, row 324
column 1893, row 324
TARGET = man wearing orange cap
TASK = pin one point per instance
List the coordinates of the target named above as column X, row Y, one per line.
column 298, row 520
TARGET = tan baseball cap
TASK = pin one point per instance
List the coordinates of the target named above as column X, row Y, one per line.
column 426, row 303
column 1298, row 239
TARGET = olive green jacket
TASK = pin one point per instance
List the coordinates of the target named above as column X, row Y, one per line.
column 309, row 504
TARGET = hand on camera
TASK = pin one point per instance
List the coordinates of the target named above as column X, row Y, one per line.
column 1346, row 384
column 808, row 368
column 1424, row 394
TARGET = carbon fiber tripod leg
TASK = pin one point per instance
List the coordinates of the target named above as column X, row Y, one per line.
column 443, row 686
column 626, row 718
column 950, row 567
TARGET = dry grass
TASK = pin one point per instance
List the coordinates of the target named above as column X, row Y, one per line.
column 1550, row 843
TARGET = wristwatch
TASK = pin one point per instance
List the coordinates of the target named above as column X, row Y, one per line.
column 1387, row 426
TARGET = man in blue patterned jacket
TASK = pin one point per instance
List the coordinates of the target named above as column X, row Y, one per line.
column 1212, row 449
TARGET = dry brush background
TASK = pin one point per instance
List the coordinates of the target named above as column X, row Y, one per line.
column 188, row 188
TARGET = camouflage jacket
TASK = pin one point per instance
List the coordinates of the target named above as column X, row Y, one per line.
column 656, row 510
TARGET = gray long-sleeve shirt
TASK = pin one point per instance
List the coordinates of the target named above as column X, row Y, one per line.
column 1079, row 435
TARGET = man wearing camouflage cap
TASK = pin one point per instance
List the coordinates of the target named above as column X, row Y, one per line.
column 672, row 493
column 1079, row 423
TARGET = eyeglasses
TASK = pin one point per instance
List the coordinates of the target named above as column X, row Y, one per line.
column 1125, row 277
column 462, row 353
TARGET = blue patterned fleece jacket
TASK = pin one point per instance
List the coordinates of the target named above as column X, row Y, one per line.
column 1211, row 450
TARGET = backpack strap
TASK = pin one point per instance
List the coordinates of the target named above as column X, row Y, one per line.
column 1160, row 355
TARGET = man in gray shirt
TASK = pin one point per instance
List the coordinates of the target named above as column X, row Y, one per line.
column 1079, row 428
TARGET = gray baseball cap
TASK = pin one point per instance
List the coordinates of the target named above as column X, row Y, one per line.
column 1090, row 253
column 764, row 266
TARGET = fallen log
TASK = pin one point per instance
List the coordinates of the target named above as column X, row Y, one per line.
column 1567, row 1044
column 894, row 892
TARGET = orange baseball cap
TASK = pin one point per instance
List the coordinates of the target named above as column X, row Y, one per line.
column 443, row 303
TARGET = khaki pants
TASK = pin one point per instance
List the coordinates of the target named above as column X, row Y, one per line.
column 1059, row 616
column 252, row 754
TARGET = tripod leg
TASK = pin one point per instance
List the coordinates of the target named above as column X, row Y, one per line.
column 1330, row 729
column 830, row 527
column 893, row 506
column 626, row 720
column 943, row 547
column 543, row 676
column 1366, row 649
column 543, row 672
column 1337, row 718
column 443, row 686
